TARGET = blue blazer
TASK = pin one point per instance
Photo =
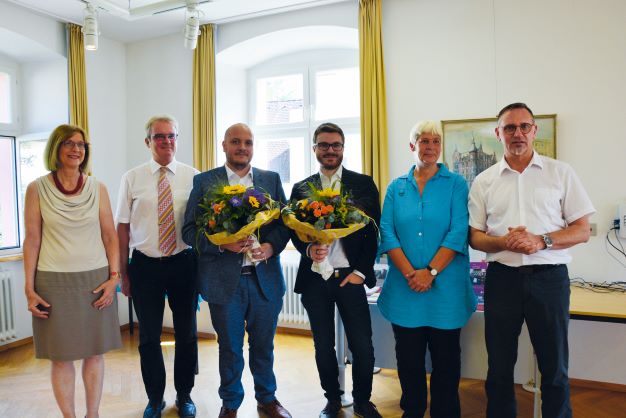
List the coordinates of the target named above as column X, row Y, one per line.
column 219, row 272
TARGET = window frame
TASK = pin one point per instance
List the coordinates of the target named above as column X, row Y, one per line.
column 16, row 249
column 307, row 63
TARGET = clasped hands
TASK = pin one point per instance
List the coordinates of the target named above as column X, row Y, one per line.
column 419, row 280
column 261, row 253
column 318, row 253
column 519, row 240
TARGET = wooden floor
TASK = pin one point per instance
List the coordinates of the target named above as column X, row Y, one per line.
column 25, row 387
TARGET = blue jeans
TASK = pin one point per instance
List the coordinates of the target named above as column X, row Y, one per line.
column 538, row 295
column 150, row 280
column 248, row 311
column 319, row 300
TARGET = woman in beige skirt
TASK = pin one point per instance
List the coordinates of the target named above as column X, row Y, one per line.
column 71, row 266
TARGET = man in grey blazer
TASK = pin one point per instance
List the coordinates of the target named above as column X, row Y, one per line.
column 242, row 297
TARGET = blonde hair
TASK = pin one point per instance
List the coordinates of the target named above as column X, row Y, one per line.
column 58, row 135
column 425, row 126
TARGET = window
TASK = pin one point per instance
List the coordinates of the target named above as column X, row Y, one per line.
column 289, row 97
column 9, row 220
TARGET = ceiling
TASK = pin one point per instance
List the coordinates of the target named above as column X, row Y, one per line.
column 134, row 20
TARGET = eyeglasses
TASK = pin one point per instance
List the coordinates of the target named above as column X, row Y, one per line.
column 428, row 142
column 523, row 127
column 324, row 146
column 163, row 137
column 69, row 144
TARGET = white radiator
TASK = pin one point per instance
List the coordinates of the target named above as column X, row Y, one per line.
column 293, row 314
column 7, row 307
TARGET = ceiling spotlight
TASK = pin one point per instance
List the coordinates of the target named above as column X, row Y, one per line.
column 90, row 28
column 192, row 24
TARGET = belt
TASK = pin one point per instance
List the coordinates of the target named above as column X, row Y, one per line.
column 531, row 268
column 248, row 270
column 168, row 259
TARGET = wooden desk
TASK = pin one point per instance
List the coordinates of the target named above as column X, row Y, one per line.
column 587, row 305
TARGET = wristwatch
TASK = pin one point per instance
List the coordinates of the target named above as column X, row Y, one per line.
column 433, row 271
column 547, row 240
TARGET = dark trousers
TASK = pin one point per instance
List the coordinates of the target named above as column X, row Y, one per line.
column 151, row 279
column 538, row 295
column 445, row 354
column 319, row 300
column 249, row 311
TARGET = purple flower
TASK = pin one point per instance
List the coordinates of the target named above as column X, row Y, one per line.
column 236, row 201
column 260, row 197
column 350, row 201
column 336, row 199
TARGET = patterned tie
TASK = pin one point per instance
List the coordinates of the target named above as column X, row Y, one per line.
column 167, row 232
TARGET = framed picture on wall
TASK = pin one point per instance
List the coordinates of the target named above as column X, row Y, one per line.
column 470, row 146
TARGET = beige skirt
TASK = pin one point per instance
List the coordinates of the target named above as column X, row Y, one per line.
column 74, row 329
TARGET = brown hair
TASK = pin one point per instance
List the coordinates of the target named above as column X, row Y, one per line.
column 60, row 134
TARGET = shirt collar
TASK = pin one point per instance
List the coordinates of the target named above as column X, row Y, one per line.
column 443, row 171
column 154, row 166
column 336, row 176
column 230, row 173
column 536, row 160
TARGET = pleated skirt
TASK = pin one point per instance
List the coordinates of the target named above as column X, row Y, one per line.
column 74, row 329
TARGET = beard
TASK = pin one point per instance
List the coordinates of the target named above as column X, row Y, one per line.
column 236, row 165
column 330, row 166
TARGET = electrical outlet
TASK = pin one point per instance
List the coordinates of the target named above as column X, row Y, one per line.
column 593, row 228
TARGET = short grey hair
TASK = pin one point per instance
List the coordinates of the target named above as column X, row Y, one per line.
column 160, row 118
column 425, row 127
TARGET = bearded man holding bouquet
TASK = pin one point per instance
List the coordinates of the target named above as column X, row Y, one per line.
column 352, row 259
column 242, row 281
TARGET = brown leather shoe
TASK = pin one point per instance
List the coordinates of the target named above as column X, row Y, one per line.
column 273, row 409
column 227, row 413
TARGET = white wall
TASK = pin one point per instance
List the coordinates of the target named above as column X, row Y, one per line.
column 158, row 80
column 106, row 97
column 41, row 29
column 44, row 95
column 460, row 59
column 338, row 14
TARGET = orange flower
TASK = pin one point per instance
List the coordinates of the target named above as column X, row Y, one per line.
column 327, row 209
column 211, row 223
column 327, row 226
column 314, row 204
column 217, row 207
column 317, row 213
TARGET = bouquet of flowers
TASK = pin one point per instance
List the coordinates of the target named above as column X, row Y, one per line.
column 323, row 217
column 231, row 213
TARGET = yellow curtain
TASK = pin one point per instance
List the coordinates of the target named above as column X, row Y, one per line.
column 373, row 97
column 204, row 100
column 76, row 77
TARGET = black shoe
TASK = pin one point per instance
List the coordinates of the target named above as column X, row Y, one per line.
column 153, row 410
column 186, row 407
column 331, row 410
column 366, row 410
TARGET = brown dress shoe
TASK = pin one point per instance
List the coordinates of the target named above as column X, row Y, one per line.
column 227, row 413
column 273, row 409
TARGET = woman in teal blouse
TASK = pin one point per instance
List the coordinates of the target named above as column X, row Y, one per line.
column 427, row 296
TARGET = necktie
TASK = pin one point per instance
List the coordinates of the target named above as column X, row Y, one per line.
column 167, row 232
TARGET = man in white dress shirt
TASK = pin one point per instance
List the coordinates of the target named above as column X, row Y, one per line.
column 150, row 211
column 525, row 211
